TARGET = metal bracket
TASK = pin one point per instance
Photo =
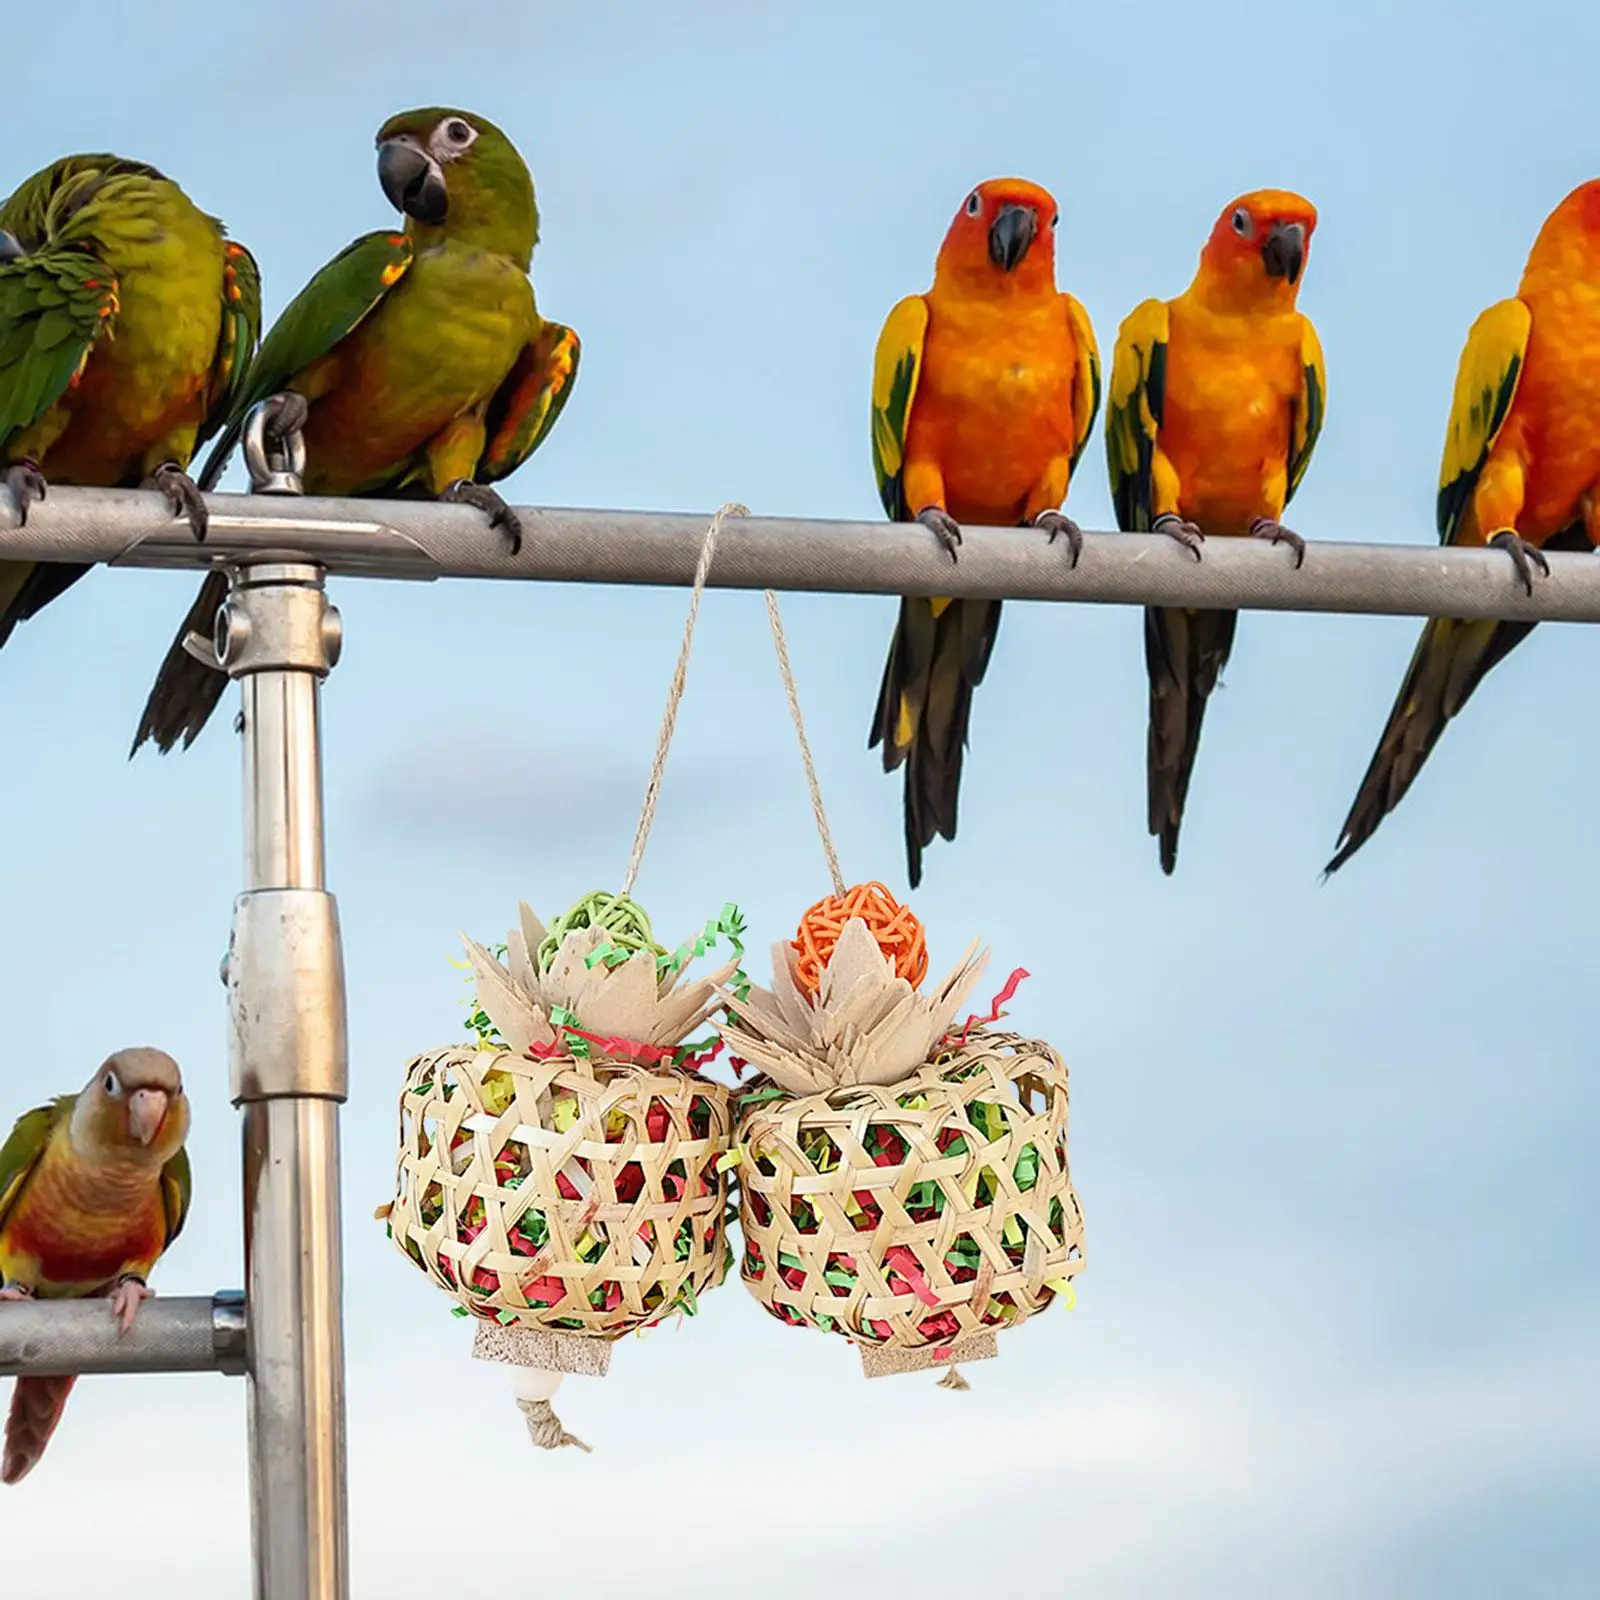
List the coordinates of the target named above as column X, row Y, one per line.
column 277, row 619
column 285, row 976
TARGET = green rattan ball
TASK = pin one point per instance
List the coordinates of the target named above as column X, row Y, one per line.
column 626, row 926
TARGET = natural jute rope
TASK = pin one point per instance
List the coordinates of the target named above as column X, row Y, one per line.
column 782, row 647
column 544, row 1427
column 675, row 693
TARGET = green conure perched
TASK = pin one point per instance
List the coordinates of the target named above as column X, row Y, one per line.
column 127, row 321
column 414, row 363
column 93, row 1189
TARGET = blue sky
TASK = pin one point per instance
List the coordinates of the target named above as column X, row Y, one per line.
column 1334, row 1143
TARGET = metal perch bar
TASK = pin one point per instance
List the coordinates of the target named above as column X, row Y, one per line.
column 424, row 540
column 45, row 1338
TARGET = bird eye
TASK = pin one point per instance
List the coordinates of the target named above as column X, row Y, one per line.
column 1055, row 219
column 457, row 132
column 974, row 203
column 111, row 1085
column 1241, row 223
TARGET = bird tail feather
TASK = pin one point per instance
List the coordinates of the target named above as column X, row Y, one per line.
column 1185, row 652
column 186, row 691
column 938, row 656
column 36, row 1407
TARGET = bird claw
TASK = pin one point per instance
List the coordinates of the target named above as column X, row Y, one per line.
column 945, row 528
column 1186, row 533
column 284, row 414
column 1271, row 529
column 1525, row 557
column 1059, row 524
column 16, row 1291
column 183, row 495
column 465, row 492
column 127, row 1297
column 26, row 483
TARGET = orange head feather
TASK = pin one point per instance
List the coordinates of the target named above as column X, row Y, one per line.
column 1258, row 249
column 1003, row 240
column 1569, row 242
column 1580, row 209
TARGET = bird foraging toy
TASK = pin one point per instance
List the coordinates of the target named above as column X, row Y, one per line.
column 563, row 1178
column 903, row 1180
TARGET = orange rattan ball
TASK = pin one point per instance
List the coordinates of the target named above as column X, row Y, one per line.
column 897, row 931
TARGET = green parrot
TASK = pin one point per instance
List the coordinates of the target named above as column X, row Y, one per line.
column 127, row 322
column 414, row 363
column 93, row 1189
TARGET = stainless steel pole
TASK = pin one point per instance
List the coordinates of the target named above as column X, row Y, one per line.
column 279, row 637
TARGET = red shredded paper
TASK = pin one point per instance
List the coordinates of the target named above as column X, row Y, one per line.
column 647, row 1055
column 996, row 1009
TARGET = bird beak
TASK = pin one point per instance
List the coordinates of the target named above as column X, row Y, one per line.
column 1010, row 234
column 412, row 181
column 147, row 1110
column 10, row 248
column 1283, row 251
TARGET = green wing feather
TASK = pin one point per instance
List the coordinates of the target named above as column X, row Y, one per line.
column 53, row 307
column 177, row 1186
column 896, row 366
column 1486, row 384
column 20, row 1153
column 1134, row 413
column 335, row 302
column 56, row 205
column 526, row 406
column 1306, row 412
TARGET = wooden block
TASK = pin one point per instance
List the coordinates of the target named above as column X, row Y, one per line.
column 541, row 1349
column 886, row 1360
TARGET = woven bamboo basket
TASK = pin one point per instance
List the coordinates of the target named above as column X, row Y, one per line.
column 562, row 1193
column 916, row 1217
column 903, row 1179
column 563, row 1179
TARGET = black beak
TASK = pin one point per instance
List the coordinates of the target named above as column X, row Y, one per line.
column 413, row 183
column 10, row 248
column 1283, row 252
column 1010, row 235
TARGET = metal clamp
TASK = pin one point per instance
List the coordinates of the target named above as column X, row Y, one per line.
column 285, row 975
column 277, row 619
